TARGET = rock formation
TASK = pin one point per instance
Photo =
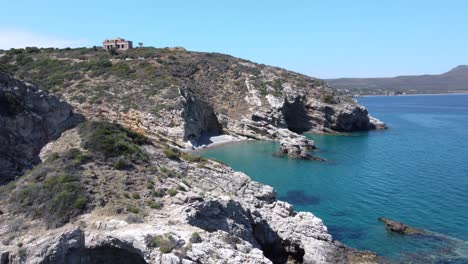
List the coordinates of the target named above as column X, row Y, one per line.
column 237, row 220
column 105, row 194
column 194, row 95
column 400, row 228
column 29, row 118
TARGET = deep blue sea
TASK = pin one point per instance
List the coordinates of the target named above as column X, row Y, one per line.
column 415, row 172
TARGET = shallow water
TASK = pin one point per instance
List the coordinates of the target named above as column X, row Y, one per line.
column 415, row 172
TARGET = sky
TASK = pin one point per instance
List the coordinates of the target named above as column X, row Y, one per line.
column 320, row 38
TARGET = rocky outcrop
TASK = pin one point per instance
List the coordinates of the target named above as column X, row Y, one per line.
column 400, row 228
column 148, row 204
column 195, row 95
column 299, row 148
column 29, row 118
column 233, row 219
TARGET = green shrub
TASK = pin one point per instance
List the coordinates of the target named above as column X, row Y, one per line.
column 195, row 238
column 112, row 140
column 328, row 99
column 158, row 193
column 192, row 158
column 172, row 192
column 166, row 243
column 136, row 196
column 171, row 153
column 74, row 157
column 155, row 204
column 133, row 209
column 121, row 69
column 169, row 173
column 122, row 164
column 80, row 203
column 150, row 184
column 126, row 195
column 56, row 198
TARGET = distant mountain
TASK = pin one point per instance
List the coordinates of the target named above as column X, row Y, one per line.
column 456, row 80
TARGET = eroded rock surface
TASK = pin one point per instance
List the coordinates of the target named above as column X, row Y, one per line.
column 151, row 212
column 29, row 118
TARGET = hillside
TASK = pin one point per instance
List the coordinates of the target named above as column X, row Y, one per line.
column 453, row 81
column 103, row 193
column 188, row 95
column 99, row 169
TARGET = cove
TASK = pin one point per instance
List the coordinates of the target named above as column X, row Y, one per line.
column 415, row 172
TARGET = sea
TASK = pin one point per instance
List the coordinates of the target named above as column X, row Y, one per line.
column 415, row 172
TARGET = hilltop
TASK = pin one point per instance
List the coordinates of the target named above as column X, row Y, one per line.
column 453, row 81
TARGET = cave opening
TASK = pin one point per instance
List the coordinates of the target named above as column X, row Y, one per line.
column 103, row 255
column 274, row 248
column 201, row 122
column 296, row 117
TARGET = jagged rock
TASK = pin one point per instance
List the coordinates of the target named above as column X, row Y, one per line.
column 400, row 228
column 298, row 148
column 29, row 118
column 238, row 220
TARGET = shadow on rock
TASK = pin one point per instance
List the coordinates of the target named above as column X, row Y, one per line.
column 231, row 217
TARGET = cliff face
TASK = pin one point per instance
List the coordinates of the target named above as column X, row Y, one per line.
column 160, row 207
column 192, row 95
column 106, row 194
column 29, row 118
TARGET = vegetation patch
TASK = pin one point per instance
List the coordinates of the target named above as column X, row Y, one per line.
column 155, row 204
column 56, row 198
column 192, row 158
column 109, row 140
column 122, row 164
column 172, row 192
column 171, row 153
column 54, row 190
column 195, row 238
column 166, row 243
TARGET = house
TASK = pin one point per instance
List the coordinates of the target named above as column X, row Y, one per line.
column 118, row 44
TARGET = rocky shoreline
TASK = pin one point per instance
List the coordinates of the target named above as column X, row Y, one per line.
column 118, row 188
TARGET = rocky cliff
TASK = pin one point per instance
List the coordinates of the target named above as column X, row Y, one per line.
column 123, row 191
column 29, row 119
column 93, row 200
column 191, row 96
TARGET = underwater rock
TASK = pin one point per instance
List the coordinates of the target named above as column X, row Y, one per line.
column 400, row 228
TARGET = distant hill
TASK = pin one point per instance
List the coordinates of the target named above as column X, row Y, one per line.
column 456, row 80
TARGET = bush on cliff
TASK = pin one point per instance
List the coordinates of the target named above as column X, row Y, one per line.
column 108, row 140
column 171, row 153
column 53, row 190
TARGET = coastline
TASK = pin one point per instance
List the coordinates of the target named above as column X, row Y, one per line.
column 399, row 95
column 217, row 141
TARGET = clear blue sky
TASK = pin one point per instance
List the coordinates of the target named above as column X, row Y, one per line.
column 322, row 38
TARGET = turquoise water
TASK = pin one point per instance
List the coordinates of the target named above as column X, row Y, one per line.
column 415, row 172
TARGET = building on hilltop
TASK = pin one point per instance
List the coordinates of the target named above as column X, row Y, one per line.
column 118, row 43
